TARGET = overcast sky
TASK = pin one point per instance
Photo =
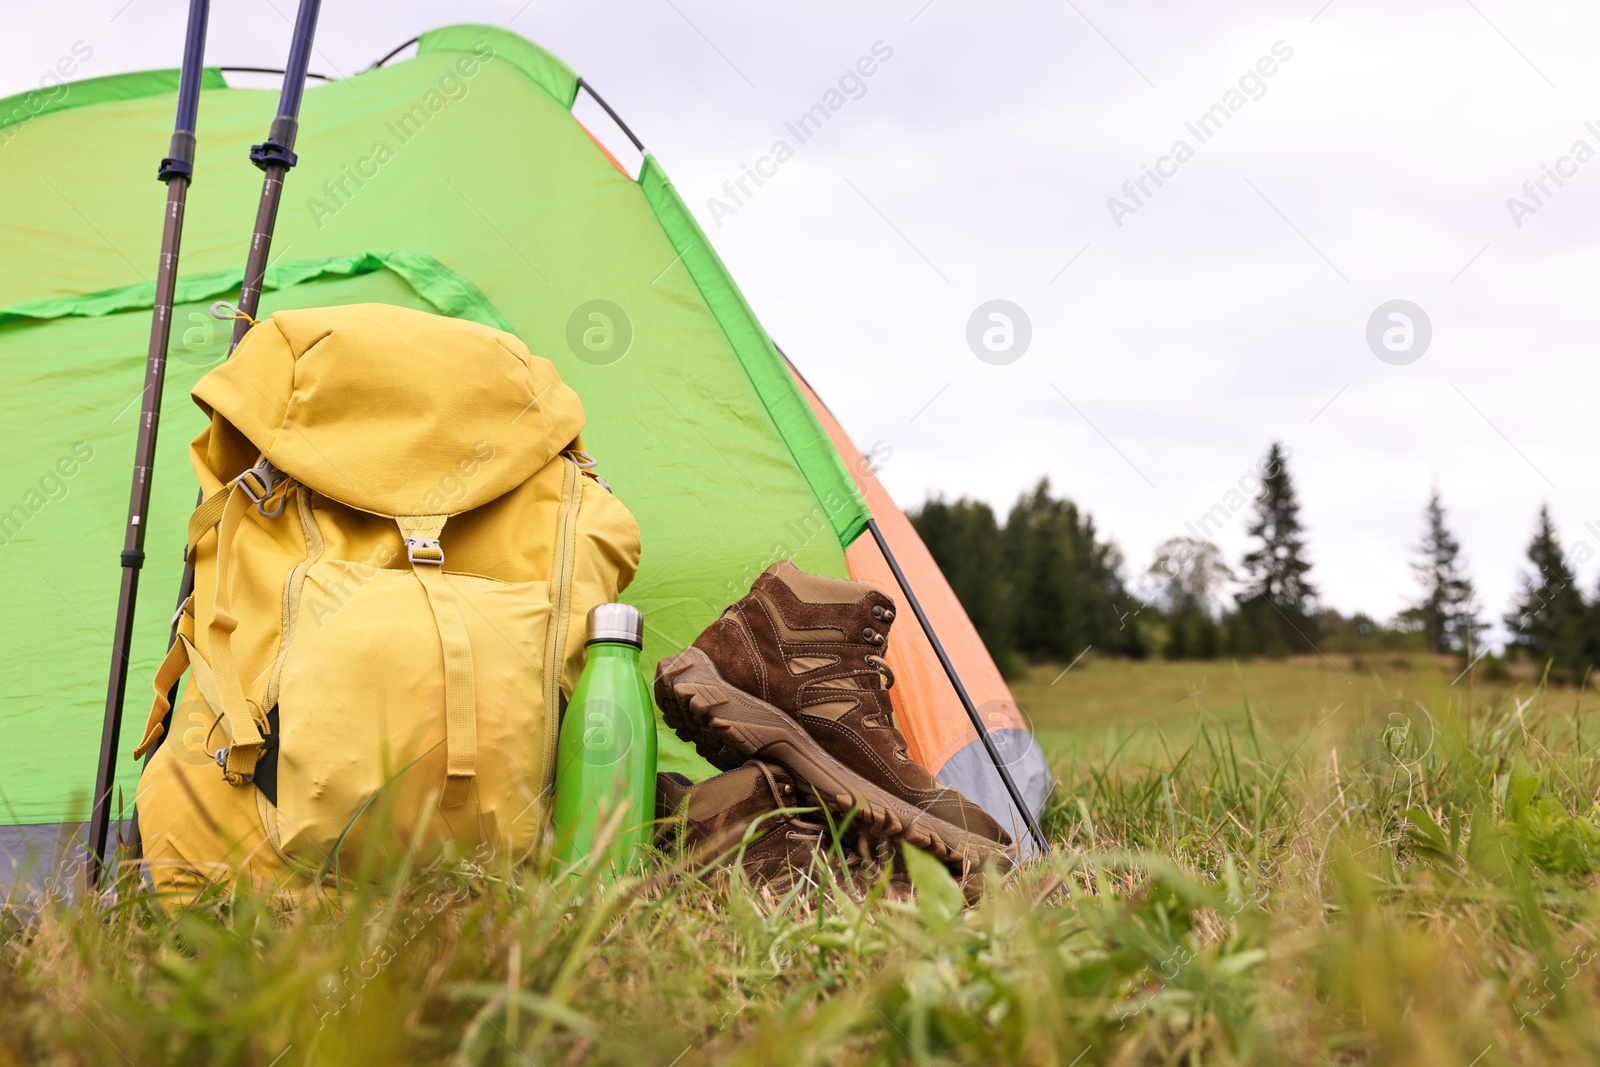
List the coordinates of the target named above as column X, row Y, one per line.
column 1173, row 336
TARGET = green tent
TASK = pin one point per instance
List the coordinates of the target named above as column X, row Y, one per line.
column 456, row 182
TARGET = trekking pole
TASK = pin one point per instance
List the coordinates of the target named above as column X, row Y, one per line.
column 274, row 156
column 177, row 171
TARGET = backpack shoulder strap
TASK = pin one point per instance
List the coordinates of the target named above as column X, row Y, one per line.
column 217, row 679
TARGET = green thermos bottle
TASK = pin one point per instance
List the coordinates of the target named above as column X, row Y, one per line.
column 606, row 754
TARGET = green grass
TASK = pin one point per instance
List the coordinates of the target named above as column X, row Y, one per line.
column 1285, row 863
column 1099, row 705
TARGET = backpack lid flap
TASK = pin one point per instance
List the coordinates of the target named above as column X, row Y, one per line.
column 391, row 410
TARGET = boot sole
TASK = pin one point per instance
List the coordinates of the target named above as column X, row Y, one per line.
column 725, row 722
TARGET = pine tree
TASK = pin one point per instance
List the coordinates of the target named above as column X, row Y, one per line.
column 1066, row 591
column 1206, row 638
column 964, row 540
column 1177, row 643
column 1447, row 614
column 1275, row 608
column 1549, row 620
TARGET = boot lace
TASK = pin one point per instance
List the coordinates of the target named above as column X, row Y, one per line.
column 881, row 665
column 885, row 673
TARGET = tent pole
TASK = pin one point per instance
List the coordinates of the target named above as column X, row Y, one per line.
column 960, row 688
column 271, row 70
column 392, row 54
column 275, row 156
column 177, row 170
column 623, row 126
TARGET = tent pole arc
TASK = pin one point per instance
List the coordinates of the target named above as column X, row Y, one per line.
column 272, row 70
column 623, row 126
column 392, row 54
column 177, row 170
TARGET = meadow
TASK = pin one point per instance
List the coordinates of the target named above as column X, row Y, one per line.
column 1279, row 862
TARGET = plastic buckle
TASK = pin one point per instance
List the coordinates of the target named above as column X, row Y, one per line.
column 172, row 167
column 221, row 757
column 269, row 152
column 424, row 550
column 270, row 478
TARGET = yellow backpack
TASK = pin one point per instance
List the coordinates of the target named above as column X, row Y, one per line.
column 399, row 541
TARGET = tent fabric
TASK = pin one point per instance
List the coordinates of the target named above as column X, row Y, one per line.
column 972, row 771
column 25, row 107
column 794, row 417
column 537, row 65
column 494, row 204
column 448, row 292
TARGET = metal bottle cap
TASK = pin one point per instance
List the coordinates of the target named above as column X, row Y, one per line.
column 616, row 622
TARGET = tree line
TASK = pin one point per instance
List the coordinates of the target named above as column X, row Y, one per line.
column 1044, row 585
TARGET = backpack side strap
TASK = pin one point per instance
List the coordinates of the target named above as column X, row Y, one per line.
column 167, row 676
column 421, row 533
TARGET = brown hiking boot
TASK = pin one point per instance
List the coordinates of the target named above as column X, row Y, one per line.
column 718, row 815
column 794, row 672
